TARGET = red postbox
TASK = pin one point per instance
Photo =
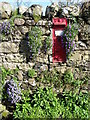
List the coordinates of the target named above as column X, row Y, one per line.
column 58, row 51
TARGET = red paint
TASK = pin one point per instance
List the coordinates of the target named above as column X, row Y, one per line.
column 58, row 52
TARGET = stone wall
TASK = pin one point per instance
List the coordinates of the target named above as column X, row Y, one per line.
column 14, row 52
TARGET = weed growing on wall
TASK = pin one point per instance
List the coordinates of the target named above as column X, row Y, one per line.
column 5, row 28
column 31, row 73
column 52, row 77
column 68, row 38
column 4, row 73
column 35, row 42
column 46, row 45
column 36, row 17
column 12, row 92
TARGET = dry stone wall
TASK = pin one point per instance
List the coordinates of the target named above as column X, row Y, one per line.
column 14, row 52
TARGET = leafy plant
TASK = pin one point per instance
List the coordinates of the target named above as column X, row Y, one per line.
column 5, row 28
column 31, row 73
column 74, row 105
column 3, row 76
column 68, row 77
column 35, row 42
column 68, row 38
column 12, row 91
column 43, row 104
column 36, row 17
column 15, row 15
column 46, row 45
column 23, row 108
column 53, row 77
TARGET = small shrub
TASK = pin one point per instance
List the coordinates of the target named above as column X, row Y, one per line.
column 35, row 42
column 36, row 17
column 12, row 92
column 43, row 104
column 53, row 77
column 74, row 105
column 5, row 28
column 47, row 44
column 68, row 38
column 68, row 77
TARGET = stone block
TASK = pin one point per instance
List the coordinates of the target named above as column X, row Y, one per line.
column 20, row 75
column 76, row 56
column 23, row 29
column 19, row 21
column 30, row 22
column 8, row 47
column 44, row 67
column 15, row 58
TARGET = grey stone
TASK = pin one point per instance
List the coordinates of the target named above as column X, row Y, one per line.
column 75, row 11
column 20, row 75
column 19, row 21
column 22, row 9
column 24, row 66
column 15, row 58
column 36, row 9
column 32, row 82
column 51, row 10
column 72, row 9
column 80, row 43
column 30, row 22
column 5, row 10
column 10, row 65
column 23, row 29
column 8, row 47
column 44, row 67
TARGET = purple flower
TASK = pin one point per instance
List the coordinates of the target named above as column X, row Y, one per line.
column 70, row 35
column 69, row 26
column 13, row 91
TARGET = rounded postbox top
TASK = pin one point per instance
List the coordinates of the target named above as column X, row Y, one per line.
column 60, row 21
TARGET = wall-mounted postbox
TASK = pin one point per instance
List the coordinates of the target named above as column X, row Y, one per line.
column 58, row 51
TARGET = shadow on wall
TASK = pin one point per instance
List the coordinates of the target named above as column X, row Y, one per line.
column 24, row 48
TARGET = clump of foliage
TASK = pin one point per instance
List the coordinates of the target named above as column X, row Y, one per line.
column 68, row 38
column 43, row 104
column 15, row 15
column 4, row 73
column 12, row 91
column 35, row 42
column 53, row 77
column 36, row 17
column 74, row 102
column 68, row 77
column 74, row 105
column 46, row 45
column 31, row 73
column 5, row 28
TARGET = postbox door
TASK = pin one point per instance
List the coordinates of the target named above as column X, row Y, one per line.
column 59, row 54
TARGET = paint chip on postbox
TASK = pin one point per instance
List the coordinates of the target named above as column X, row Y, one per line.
column 58, row 32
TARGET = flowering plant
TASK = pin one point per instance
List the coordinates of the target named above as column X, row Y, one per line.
column 68, row 39
column 35, row 42
column 5, row 28
column 13, row 92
